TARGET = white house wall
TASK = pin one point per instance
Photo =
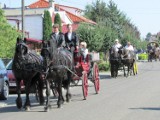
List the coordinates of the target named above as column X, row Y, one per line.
column 32, row 24
column 13, row 23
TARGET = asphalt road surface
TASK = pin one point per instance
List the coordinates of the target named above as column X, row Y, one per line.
column 132, row 98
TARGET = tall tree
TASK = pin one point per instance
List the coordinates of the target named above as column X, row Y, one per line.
column 96, row 11
column 8, row 37
column 47, row 25
column 148, row 36
column 114, row 22
column 57, row 20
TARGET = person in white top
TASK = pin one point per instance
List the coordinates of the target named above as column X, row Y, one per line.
column 129, row 47
column 117, row 45
column 84, row 50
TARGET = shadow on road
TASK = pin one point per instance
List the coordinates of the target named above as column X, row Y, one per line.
column 104, row 77
column 8, row 109
column 146, row 108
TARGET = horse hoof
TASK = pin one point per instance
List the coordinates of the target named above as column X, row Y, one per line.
column 68, row 100
column 19, row 103
column 46, row 109
column 27, row 108
column 59, row 106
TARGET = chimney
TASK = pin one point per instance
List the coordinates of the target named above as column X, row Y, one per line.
column 51, row 3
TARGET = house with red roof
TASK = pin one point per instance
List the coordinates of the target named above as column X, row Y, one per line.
column 33, row 20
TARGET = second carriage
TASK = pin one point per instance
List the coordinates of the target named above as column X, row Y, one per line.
column 121, row 60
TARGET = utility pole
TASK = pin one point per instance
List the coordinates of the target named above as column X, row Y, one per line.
column 23, row 30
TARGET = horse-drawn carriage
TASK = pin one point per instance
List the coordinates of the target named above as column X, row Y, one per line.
column 153, row 51
column 55, row 68
column 124, row 60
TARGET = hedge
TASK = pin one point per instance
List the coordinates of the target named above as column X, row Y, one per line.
column 142, row 56
column 103, row 66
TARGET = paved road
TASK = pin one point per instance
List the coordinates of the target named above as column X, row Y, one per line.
column 132, row 98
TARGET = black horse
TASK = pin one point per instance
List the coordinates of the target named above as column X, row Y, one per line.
column 115, row 61
column 26, row 67
column 127, row 59
column 59, row 64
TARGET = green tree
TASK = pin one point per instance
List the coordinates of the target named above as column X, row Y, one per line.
column 148, row 36
column 57, row 20
column 114, row 22
column 96, row 11
column 47, row 25
column 92, row 35
column 8, row 37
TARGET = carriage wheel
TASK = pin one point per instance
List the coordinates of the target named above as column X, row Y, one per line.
column 85, row 84
column 96, row 77
column 135, row 68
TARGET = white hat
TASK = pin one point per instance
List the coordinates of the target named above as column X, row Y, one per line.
column 116, row 40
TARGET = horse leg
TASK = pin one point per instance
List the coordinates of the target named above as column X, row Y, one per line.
column 19, row 99
column 128, row 69
column 48, row 105
column 60, row 97
column 68, row 94
column 40, row 84
column 27, row 104
column 124, row 70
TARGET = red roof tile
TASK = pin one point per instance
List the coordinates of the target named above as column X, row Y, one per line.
column 65, row 29
column 39, row 4
column 74, row 18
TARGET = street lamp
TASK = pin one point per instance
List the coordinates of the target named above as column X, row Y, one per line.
column 23, row 30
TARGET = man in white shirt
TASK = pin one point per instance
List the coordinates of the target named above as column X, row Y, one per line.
column 117, row 45
column 129, row 47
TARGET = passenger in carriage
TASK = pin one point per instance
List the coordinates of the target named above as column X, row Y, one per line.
column 130, row 50
column 84, row 50
column 71, row 39
column 117, row 45
column 129, row 47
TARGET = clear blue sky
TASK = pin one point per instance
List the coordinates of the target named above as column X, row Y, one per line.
column 145, row 14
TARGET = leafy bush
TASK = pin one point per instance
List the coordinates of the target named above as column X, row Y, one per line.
column 143, row 56
column 103, row 66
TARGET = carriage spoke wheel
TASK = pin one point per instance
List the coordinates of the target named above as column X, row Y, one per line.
column 135, row 68
column 96, row 77
column 85, row 84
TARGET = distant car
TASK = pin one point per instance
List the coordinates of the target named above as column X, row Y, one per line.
column 4, row 82
column 12, row 80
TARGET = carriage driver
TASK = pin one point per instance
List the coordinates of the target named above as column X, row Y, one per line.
column 117, row 45
column 58, row 36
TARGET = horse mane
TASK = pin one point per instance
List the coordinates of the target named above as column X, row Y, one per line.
column 113, row 53
column 60, row 56
column 30, row 57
